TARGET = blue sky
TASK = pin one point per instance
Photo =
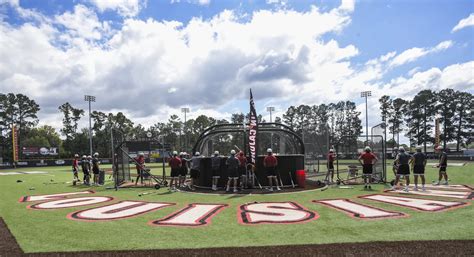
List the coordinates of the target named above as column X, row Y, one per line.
column 205, row 54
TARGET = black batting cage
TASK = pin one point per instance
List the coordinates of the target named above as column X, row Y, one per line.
column 285, row 143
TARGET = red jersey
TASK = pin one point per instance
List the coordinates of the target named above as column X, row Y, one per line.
column 331, row 157
column 270, row 161
column 242, row 160
column 368, row 158
column 175, row 162
column 75, row 163
column 140, row 160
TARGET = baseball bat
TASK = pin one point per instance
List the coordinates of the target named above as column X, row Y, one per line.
column 291, row 177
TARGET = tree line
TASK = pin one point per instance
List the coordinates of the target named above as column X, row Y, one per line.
column 334, row 122
column 416, row 117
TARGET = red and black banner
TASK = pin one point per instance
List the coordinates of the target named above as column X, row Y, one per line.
column 15, row 143
column 253, row 126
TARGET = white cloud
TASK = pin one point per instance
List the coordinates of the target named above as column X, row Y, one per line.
column 199, row 2
column 83, row 23
column 347, row 5
column 466, row 22
column 126, row 8
column 150, row 68
column 13, row 3
column 415, row 53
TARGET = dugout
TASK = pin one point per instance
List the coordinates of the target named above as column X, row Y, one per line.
column 286, row 144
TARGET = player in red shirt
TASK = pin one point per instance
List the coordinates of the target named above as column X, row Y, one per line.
column 140, row 165
column 270, row 163
column 175, row 164
column 75, row 169
column 367, row 160
column 330, row 165
column 242, row 169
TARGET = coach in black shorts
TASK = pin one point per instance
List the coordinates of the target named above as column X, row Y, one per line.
column 403, row 160
column 443, row 164
column 419, row 164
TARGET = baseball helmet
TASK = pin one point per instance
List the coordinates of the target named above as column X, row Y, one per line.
column 216, row 153
column 401, row 149
column 367, row 149
column 175, row 153
column 232, row 152
column 140, row 154
column 76, row 155
column 197, row 153
column 269, row 150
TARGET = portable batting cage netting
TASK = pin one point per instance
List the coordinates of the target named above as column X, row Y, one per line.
column 286, row 145
column 348, row 150
column 125, row 150
column 317, row 145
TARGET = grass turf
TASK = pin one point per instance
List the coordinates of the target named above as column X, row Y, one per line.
column 50, row 230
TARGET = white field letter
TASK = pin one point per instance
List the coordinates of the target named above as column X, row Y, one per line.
column 120, row 210
column 35, row 198
column 73, row 202
column 195, row 214
column 358, row 210
column 415, row 203
column 269, row 213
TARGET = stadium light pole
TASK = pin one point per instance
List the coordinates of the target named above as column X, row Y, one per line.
column 366, row 94
column 271, row 109
column 185, row 110
column 90, row 98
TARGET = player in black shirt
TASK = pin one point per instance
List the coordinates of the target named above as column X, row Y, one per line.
column 443, row 164
column 419, row 164
column 86, row 167
column 95, row 168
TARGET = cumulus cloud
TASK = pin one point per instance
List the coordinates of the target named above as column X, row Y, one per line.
column 415, row 53
column 83, row 22
column 126, row 8
column 150, row 68
column 466, row 22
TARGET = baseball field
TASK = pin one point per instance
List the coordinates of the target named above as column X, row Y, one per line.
column 340, row 219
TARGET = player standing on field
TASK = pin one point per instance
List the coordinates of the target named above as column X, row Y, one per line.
column 195, row 169
column 443, row 164
column 242, row 169
column 216, row 169
column 75, row 169
column 403, row 159
column 419, row 161
column 330, row 166
column 184, row 169
column 270, row 163
column 86, row 168
column 233, row 170
column 95, row 168
column 367, row 160
column 175, row 164
column 140, row 165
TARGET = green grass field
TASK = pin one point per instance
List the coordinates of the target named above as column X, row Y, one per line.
column 50, row 230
